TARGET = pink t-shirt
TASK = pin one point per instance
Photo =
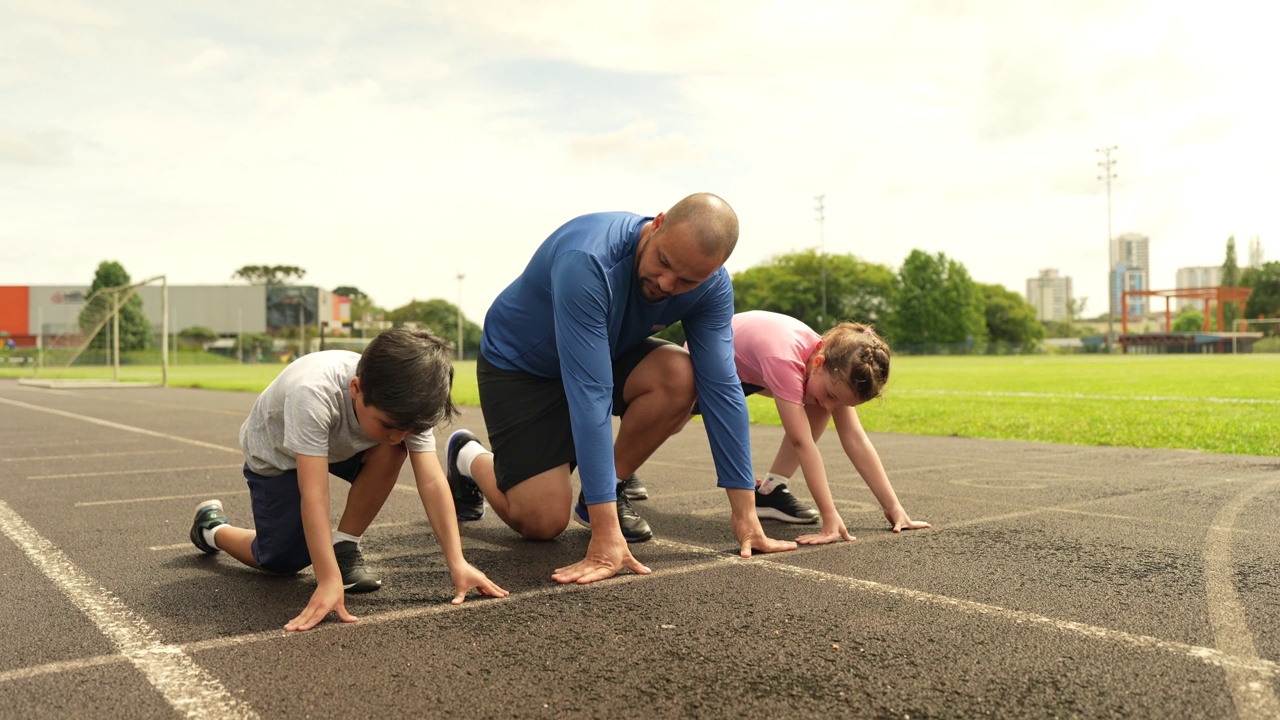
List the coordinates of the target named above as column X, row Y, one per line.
column 771, row 350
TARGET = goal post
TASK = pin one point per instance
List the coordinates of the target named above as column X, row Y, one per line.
column 64, row 367
column 1241, row 325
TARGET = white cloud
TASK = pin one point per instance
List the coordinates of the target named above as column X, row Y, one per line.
column 390, row 146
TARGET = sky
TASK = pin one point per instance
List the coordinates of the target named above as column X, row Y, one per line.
column 392, row 146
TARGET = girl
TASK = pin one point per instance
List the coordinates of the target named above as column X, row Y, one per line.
column 814, row 380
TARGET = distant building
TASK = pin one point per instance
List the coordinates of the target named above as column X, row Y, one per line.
column 52, row 312
column 1050, row 295
column 1255, row 252
column 1196, row 277
column 1130, row 270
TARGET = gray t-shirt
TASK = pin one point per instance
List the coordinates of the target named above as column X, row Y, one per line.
column 307, row 410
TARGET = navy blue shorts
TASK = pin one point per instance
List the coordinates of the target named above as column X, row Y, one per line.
column 280, row 545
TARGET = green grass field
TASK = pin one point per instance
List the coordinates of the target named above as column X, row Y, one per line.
column 1212, row 403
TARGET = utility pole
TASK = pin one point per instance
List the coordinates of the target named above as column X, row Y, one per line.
column 460, row 354
column 1106, row 163
column 822, row 258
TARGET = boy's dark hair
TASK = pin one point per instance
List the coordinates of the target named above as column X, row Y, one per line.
column 408, row 374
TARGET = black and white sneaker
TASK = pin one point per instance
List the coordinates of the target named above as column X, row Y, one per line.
column 775, row 502
column 634, row 528
column 209, row 515
column 634, row 489
column 356, row 576
column 468, row 501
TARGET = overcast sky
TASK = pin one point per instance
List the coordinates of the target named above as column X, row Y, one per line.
column 393, row 145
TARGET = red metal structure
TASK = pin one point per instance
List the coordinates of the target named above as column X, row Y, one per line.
column 1217, row 295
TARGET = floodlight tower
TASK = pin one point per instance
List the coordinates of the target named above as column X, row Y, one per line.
column 460, row 277
column 822, row 257
column 1106, row 163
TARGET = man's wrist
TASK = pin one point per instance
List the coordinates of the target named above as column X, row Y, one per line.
column 604, row 517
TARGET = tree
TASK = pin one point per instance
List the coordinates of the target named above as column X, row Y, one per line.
column 441, row 318
column 792, row 285
column 1264, row 281
column 1011, row 320
column 1189, row 320
column 1230, row 278
column 135, row 328
column 935, row 303
column 269, row 275
column 198, row 334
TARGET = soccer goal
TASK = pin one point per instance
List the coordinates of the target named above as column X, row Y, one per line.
column 1240, row 327
column 67, row 359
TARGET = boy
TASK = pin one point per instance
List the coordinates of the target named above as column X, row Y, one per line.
column 357, row 417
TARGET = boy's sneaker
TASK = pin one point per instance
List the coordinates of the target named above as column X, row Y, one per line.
column 468, row 501
column 209, row 515
column 634, row 527
column 356, row 576
column 634, row 489
column 774, row 501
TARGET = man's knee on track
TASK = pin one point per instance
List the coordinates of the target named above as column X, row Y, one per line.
column 542, row 527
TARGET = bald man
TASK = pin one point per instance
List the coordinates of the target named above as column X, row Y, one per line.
column 569, row 343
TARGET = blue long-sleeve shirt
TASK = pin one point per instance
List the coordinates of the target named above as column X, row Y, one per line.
column 577, row 306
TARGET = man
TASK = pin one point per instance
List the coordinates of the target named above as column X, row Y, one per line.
column 569, row 342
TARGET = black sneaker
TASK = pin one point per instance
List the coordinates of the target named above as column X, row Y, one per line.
column 468, row 501
column 634, row 527
column 634, row 489
column 208, row 515
column 356, row 576
column 774, row 501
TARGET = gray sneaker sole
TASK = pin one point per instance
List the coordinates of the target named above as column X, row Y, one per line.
column 772, row 514
column 364, row 586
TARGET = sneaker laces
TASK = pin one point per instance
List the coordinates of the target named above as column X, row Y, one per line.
column 469, row 491
column 624, row 503
column 350, row 556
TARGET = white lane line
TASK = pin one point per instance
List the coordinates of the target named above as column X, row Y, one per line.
column 110, row 473
column 473, row 603
column 1082, row 396
column 61, row 666
column 161, row 498
column 118, row 426
column 81, row 456
column 185, row 685
column 1257, row 668
column 1262, row 669
column 1253, row 698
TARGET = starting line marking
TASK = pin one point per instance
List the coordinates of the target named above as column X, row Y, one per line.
column 183, row 684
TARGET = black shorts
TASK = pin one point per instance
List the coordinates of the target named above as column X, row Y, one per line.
column 527, row 417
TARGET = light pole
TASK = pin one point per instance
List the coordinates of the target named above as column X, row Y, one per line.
column 1108, row 176
column 460, row 353
column 822, row 258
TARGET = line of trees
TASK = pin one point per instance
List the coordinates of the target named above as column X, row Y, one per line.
column 1262, row 278
column 929, row 305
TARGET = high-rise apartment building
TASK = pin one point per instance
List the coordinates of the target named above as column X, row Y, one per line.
column 1197, row 277
column 1050, row 295
column 1130, row 270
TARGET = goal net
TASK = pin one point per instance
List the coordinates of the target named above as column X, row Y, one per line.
column 97, row 355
